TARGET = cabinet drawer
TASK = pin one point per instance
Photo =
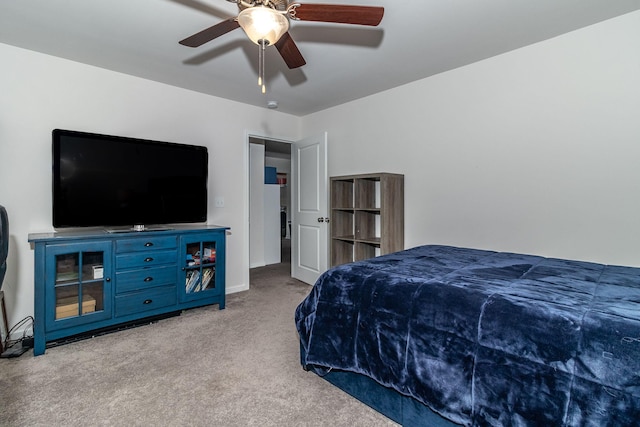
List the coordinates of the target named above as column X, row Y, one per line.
column 144, row 278
column 146, row 243
column 150, row 299
column 145, row 259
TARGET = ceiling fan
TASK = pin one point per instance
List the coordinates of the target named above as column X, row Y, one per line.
column 266, row 23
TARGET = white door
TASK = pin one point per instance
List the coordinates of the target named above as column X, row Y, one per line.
column 309, row 250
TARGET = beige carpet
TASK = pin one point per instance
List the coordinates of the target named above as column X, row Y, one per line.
column 233, row 367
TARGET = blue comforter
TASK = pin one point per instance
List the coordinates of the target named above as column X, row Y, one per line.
column 484, row 338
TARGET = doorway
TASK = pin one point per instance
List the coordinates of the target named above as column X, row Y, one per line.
column 269, row 203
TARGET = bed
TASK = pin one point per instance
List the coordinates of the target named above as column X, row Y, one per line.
column 441, row 335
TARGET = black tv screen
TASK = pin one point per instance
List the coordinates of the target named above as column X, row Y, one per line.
column 102, row 181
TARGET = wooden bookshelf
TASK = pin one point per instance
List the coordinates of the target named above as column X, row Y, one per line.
column 367, row 216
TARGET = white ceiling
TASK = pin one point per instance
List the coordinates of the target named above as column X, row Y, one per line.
column 416, row 39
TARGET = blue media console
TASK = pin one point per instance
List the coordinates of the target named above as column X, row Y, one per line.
column 94, row 280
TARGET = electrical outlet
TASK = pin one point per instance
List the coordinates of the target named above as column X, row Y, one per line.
column 219, row 202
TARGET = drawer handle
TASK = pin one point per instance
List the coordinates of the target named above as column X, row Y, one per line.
column 148, row 259
column 148, row 244
column 148, row 279
column 148, row 301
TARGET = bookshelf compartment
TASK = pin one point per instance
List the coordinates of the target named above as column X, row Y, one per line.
column 342, row 194
column 364, row 251
column 367, row 225
column 198, row 280
column 67, row 268
column 341, row 251
column 201, row 273
column 344, row 223
column 70, row 306
column 367, row 192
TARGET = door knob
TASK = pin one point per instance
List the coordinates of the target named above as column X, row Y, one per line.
column 320, row 219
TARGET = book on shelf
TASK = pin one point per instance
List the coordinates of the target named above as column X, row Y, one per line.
column 207, row 275
column 197, row 281
column 193, row 280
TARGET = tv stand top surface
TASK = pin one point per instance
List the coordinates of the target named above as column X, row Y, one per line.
column 102, row 232
column 139, row 228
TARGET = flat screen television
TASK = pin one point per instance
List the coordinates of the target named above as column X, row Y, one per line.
column 112, row 181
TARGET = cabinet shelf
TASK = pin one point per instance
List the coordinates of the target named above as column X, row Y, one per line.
column 197, row 267
column 367, row 216
column 73, row 282
column 370, row 240
column 62, row 281
column 373, row 210
column 351, row 238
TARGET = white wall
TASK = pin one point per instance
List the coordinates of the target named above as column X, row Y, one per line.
column 39, row 93
column 536, row 150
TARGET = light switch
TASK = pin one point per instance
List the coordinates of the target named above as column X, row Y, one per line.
column 219, row 202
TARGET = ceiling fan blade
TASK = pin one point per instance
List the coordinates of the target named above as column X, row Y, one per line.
column 210, row 33
column 289, row 51
column 359, row 15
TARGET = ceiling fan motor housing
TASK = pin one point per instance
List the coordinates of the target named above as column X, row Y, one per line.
column 273, row 4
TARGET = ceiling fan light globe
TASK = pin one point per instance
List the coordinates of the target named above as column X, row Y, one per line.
column 263, row 23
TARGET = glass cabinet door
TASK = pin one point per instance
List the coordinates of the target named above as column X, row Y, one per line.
column 79, row 280
column 200, row 267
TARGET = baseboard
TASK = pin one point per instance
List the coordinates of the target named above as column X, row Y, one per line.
column 237, row 288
